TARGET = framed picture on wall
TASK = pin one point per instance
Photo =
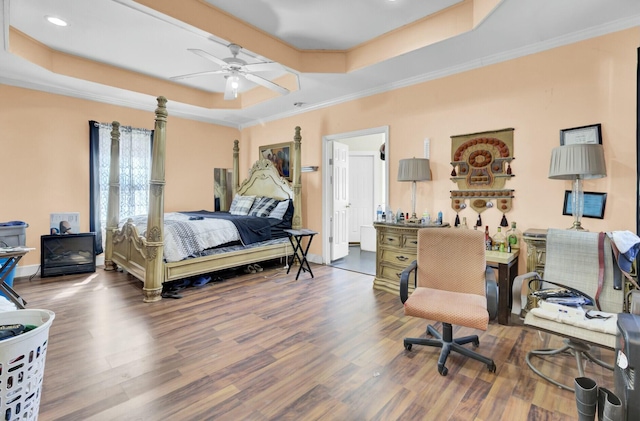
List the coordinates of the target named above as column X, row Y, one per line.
column 594, row 204
column 280, row 155
column 581, row 135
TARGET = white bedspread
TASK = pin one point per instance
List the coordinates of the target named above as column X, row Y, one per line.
column 184, row 238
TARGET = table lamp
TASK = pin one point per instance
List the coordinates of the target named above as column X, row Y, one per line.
column 577, row 162
column 414, row 169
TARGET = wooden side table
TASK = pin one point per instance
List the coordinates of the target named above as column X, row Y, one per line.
column 296, row 239
column 507, row 265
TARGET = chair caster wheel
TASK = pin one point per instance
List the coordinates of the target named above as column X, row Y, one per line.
column 407, row 346
column 492, row 367
column 443, row 370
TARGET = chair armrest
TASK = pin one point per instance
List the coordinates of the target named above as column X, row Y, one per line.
column 520, row 291
column 404, row 280
column 491, row 289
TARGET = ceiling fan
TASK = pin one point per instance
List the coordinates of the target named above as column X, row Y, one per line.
column 233, row 68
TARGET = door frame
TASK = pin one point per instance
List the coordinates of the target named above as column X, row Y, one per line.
column 327, row 202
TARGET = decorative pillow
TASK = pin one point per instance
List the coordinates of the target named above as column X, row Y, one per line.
column 263, row 207
column 241, row 205
column 280, row 209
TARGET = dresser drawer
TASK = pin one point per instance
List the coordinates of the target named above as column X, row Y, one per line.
column 411, row 242
column 397, row 257
column 391, row 239
column 392, row 272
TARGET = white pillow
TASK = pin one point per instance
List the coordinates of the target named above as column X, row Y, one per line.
column 241, row 205
column 280, row 209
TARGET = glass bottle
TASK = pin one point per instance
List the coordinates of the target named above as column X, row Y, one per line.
column 479, row 221
column 487, row 238
column 464, row 223
column 457, row 221
column 514, row 236
column 379, row 214
column 500, row 240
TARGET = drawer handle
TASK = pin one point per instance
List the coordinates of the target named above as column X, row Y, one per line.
column 399, row 274
column 390, row 240
column 402, row 258
column 414, row 242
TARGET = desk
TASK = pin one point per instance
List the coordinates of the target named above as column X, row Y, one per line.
column 13, row 257
column 300, row 253
column 507, row 265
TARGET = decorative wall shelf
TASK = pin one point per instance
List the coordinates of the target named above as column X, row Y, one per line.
column 481, row 167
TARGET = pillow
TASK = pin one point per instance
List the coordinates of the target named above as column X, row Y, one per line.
column 241, row 205
column 263, row 207
column 280, row 209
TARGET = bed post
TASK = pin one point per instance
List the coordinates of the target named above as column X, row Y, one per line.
column 113, row 203
column 235, row 174
column 154, row 265
column 296, row 223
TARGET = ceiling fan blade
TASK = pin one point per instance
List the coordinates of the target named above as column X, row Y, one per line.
column 263, row 67
column 208, row 56
column 228, row 91
column 267, row 83
column 209, row 72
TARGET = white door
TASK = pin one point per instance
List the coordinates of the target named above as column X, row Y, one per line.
column 340, row 185
column 361, row 210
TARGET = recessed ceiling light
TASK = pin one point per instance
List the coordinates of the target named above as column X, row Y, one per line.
column 56, row 21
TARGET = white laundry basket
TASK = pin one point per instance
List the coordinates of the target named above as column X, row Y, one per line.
column 22, row 364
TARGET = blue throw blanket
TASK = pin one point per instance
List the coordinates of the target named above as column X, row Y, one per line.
column 252, row 229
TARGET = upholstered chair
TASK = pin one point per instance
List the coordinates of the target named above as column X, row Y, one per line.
column 451, row 281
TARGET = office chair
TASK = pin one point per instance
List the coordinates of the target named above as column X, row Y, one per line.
column 451, row 283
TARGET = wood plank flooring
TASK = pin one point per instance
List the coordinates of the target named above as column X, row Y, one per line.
column 266, row 347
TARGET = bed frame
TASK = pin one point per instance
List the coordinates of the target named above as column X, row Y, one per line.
column 143, row 257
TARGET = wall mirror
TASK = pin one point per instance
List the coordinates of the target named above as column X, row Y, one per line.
column 222, row 189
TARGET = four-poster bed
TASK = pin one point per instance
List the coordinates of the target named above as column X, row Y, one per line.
column 143, row 256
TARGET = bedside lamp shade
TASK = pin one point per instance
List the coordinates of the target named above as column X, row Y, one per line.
column 577, row 163
column 414, row 169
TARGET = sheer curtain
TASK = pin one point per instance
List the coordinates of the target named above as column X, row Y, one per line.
column 135, row 170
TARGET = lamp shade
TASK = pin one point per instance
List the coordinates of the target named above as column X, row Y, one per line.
column 414, row 169
column 580, row 161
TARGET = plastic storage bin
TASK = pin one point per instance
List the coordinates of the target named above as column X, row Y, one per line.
column 13, row 233
column 22, row 364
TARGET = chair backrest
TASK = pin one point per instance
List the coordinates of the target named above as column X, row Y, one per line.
column 452, row 259
column 572, row 260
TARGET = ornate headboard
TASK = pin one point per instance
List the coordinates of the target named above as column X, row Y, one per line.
column 265, row 181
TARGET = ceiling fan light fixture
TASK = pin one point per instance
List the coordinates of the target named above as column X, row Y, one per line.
column 235, row 84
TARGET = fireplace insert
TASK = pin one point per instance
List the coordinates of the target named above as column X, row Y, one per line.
column 65, row 254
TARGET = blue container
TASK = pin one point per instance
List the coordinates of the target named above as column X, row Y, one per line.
column 9, row 279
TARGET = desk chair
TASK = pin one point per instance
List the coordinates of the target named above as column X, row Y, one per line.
column 451, row 283
column 572, row 259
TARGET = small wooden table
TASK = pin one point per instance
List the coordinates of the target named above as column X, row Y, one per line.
column 295, row 238
column 13, row 257
column 507, row 265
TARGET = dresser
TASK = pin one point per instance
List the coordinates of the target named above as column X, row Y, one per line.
column 396, row 248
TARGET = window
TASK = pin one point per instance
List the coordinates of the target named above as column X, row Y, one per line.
column 135, row 171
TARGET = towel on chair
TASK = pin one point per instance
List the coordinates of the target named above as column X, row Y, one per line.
column 575, row 316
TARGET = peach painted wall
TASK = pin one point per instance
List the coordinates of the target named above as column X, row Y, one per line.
column 589, row 82
column 45, row 157
column 44, row 139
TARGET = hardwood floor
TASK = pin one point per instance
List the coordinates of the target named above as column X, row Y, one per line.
column 266, row 347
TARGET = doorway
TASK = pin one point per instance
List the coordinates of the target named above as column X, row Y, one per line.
column 367, row 175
